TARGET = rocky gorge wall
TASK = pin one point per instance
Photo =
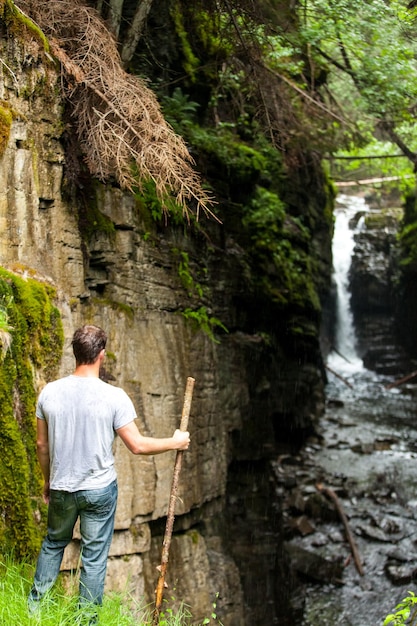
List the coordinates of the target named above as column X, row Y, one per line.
column 259, row 387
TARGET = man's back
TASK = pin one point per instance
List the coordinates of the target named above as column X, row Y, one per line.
column 82, row 414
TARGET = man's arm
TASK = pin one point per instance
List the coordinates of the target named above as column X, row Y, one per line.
column 42, row 451
column 138, row 444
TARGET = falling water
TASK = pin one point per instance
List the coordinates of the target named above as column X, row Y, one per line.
column 367, row 453
column 344, row 356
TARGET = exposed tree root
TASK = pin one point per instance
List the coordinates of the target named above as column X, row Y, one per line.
column 118, row 121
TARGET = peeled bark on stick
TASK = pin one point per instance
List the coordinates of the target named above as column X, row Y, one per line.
column 331, row 494
column 171, row 508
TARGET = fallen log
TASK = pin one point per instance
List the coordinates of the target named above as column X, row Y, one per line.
column 339, row 376
column 369, row 181
column 332, row 495
column 400, row 381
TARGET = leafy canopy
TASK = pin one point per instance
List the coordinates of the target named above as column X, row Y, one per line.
column 369, row 52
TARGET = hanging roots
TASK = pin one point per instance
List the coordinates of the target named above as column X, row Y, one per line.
column 119, row 124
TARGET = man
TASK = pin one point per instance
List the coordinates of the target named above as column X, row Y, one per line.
column 77, row 419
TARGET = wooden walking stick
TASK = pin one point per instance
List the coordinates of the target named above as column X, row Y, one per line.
column 171, row 508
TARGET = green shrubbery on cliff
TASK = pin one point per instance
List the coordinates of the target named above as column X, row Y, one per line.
column 35, row 345
column 250, row 174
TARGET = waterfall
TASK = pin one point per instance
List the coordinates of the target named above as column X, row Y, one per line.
column 344, row 357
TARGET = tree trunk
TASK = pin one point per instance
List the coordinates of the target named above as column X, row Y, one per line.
column 135, row 31
column 115, row 16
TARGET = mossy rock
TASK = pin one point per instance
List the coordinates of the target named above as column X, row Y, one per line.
column 35, row 329
column 6, row 119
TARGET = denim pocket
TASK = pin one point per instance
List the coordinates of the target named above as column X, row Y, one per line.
column 101, row 501
column 61, row 501
column 62, row 515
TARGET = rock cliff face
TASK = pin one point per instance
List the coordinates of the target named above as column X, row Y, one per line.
column 373, row 279
column 254, row 398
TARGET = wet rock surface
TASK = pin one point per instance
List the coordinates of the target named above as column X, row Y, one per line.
column 365, row 451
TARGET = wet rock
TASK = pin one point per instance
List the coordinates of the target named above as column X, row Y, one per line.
column 296, row 501
column 385, row 444
column 334, row 403
column 319, row 540
column 318, row 507
column 313, row 565
column 336, row 536
column 401, row 574
column 372, row 532
column 363, row 448
column 302, row 525
column 403, row 554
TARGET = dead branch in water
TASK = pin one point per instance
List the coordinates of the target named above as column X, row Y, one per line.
column 332, row 495
column 400, row 381
column 339, row 376
column 118, row 120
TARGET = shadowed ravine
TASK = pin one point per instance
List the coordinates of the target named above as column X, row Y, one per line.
column 366, row 452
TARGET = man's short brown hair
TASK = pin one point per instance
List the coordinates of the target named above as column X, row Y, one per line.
column 87, row 343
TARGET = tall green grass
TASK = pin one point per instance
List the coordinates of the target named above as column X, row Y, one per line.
column 60, row 607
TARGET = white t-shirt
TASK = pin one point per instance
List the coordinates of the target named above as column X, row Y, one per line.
column 82, row 414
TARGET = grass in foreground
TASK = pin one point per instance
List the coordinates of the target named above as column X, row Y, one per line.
column 60, row 608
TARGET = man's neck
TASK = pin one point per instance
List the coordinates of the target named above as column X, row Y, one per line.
column 90, row 370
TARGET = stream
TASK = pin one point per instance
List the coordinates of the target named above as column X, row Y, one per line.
column 365, row 451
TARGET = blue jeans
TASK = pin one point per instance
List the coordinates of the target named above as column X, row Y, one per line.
column 96, row 509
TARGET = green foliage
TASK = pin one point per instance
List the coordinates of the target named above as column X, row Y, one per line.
column 279, row 245
column 60, row 607
column 213, row 617
column 408, row 244
column 36, row 342
column 202, row 320
column 404, row 611
column 179, row 110
column 149, row 202
column 358, row 165
column 370, row 44
column 282, row 56
column 235, row 158
column 192, row 287
column 199, row 317
column 368, row 51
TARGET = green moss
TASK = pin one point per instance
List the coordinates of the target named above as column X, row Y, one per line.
column 194, row 535
column 234, row 159
column 279, row 245
column 20, row 24
column 191, row 62
column 37, row 340
column 6, row 119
